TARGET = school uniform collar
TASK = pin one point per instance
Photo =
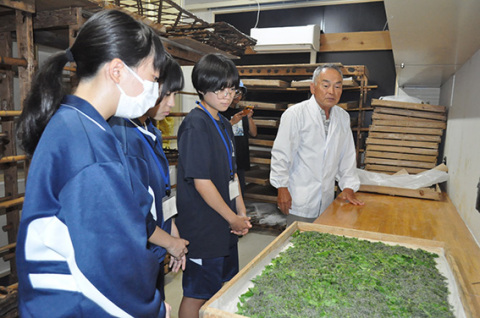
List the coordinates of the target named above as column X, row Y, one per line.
column 85, row 108
column 142, row 128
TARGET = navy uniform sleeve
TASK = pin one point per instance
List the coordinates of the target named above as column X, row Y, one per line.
column 107, row 230
column 196, row 148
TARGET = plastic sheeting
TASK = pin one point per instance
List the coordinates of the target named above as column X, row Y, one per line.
column 407, row 181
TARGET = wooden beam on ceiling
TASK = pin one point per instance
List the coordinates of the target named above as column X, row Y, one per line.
column 60, row 18
column 24, row 5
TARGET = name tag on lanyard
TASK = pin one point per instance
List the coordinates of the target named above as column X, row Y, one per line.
column 169, row 206
column 233, row 188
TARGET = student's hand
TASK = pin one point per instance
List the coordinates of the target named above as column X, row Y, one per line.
column 237, row 117
column 348, row 195
column 240, row 224
column 284, row 200
column 177, row 247
column 176, row 263
column 244, row 231
column 168, row 310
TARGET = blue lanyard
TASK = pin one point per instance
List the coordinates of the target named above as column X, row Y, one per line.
column 165, row 176
column 227, row 146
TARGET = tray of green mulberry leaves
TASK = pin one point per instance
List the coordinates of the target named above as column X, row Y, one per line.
column 313, row 270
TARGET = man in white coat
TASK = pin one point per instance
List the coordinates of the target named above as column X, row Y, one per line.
column 313, row 148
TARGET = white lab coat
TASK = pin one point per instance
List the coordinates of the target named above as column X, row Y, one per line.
column 307, row 162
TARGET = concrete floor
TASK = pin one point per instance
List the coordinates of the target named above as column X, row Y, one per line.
column 249, row 246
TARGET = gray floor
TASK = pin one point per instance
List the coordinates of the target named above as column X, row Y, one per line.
column 249, row 246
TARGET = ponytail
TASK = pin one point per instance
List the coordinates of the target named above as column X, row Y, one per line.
column 42, row 101
column 108, row 34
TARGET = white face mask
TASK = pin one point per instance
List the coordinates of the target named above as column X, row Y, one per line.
column 136, row 106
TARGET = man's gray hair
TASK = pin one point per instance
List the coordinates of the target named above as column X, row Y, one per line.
column 319, row 69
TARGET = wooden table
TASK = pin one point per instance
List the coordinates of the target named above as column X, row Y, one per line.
column 433, row 220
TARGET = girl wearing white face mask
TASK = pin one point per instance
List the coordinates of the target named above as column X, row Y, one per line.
column 83, row 227
column 142, row 143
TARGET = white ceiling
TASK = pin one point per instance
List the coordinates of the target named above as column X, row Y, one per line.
column 432, row 38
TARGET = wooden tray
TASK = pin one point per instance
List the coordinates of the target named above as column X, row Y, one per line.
column 224, row 303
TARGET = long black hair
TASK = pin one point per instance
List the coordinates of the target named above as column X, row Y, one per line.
column 214, row 72
column 106, row 35
column 171, row 79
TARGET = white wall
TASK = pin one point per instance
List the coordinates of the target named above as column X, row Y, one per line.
column 461, row 93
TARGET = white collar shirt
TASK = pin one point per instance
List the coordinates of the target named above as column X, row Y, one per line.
column 307, row 160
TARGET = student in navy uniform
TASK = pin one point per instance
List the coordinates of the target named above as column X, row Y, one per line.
column 82, row 241
column 211, row 213
column 243, row 126
column 142, row 144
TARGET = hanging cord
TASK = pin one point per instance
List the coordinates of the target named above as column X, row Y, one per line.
column 258, row 14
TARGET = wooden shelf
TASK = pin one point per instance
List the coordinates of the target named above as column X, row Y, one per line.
column 262, row 140
column 261, row 193
column 260, row 157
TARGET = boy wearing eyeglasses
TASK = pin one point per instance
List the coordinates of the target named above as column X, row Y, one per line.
column 211, row 211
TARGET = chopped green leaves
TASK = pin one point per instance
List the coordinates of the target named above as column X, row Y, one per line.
column 325, row 275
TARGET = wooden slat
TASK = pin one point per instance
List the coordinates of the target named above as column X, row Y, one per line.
column 355, row 41
column 400, row 156
column 378, row 127
column 260, row 157
column 422, row 193
column 260, row 161
column 412, row 106
column 264, row 122
column 13, row 61
column 265, row 82
column 437, row 125
column 401, row 143
column 412, row 137
column 10, row 203
column 10, row 113
column 7, row 247
column 392, row 169
column 400, row 163
column 24, row 5
column 408, row 150
column 348, row 105
column 258, row 176
column 410, row 113
column 260, row 142
column 261, row 193
column 262, row 105
column 420, row 122
column 8, row 159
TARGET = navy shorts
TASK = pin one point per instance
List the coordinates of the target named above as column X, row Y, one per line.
column 204, row 281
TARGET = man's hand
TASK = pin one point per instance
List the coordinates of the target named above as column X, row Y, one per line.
column 284, row 200
column 349, row 195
